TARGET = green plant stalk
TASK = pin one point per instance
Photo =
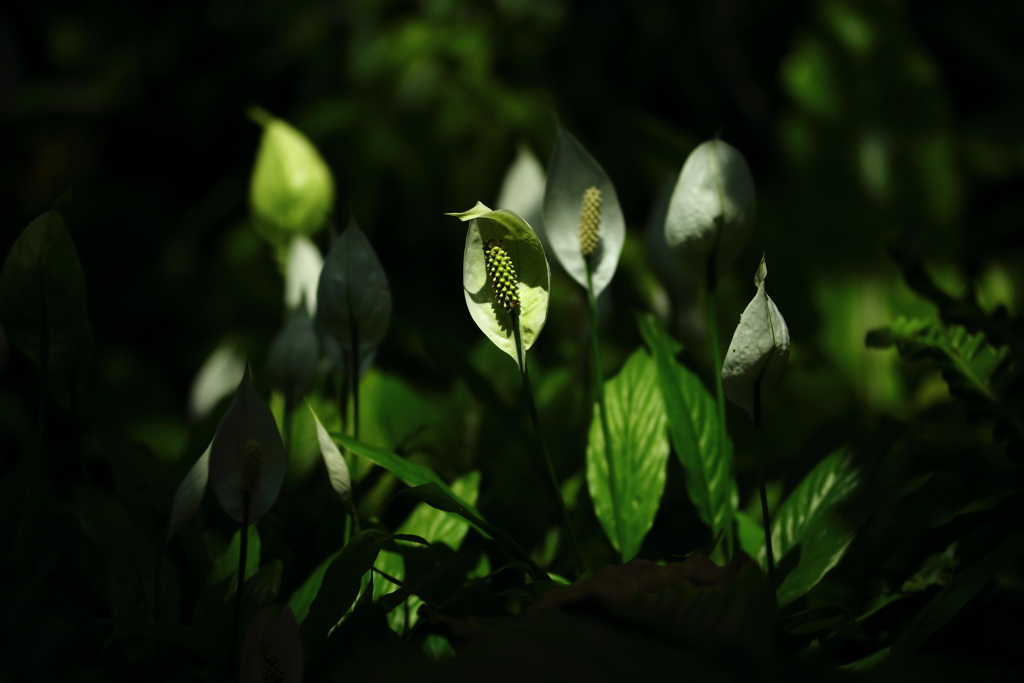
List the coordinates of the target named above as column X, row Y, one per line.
column 765, row 519
column 599, row 393
column 580, row 566
column 716, row 360
column 239, row 583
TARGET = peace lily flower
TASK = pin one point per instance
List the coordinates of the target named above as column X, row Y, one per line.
column 582, row 216
column 758, row 351
column 712, row 210
column 247, row 457
column 272, row 652
column 505, row 277
column 292, row 190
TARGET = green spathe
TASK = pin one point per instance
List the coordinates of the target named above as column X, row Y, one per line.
column 291, row 191
column 712, row 207
column 759, row 348
column 248, row 423
column 571, row 172
column 531, row 266
column 42, row 278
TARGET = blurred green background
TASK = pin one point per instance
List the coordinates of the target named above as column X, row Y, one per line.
column 863, row 122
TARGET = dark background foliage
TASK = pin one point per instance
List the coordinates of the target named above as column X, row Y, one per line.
column 864, row 123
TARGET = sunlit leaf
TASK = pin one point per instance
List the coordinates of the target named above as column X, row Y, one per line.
column 247, row 455
column 693, row 425
column 302, row 274
column 42, row 293
column 759, row 348
column 353, row 298
column 334, row 461
column 532, row 271
column 272, row 649
column 712, row 207
column 637, row 426
column 190, row 493
column 294, row 355
column 291, row 191
column 809, row 518
column 571, row 172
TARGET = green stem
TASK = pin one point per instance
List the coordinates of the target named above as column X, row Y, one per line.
column 240, row 582
column 716, row 360
column 765, row 519
column 521, row 353
column 599, row 392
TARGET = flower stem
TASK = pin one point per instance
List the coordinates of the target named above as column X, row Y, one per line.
column 240, row 582
column 765, row 519
column 521, row 353
column 599, row 393
column 723, row 430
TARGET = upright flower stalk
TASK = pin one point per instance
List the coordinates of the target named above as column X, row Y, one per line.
column 506, row 281
column 583, row 221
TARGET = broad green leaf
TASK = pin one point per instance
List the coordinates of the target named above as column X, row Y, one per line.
column 522, row 189
column 408, row 473
column 434, row 525
column 226, row 565
column 957, row 593
column 334, row 461
column 712, row 207
column 532, row 271
column 353, row 298
column 437, row 497
column 247, row 455
column 302, row 274
column 275, row 630
column 190, row 492
column 42, row 293
column 808, row 518
column 571, row 172
column 291, row 191
column 340, row 586
column 759, row 348
column 304, row 595
column 936, row 570
column 979, row 374
column 637, row 426
column 294, row 356
column 693, row 425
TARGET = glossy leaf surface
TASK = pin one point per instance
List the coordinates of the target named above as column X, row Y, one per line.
column 334, row 461
column 693, row 425
column 189, row 495
column 571, row 171
column 640, row 445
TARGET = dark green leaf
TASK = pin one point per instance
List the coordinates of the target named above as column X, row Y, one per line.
column 226, row 566
column 192, row 639
column 693, row 424
column 42, row 280
column 808, row 518
column 304, row 595
column 636, row 423
column 957, row 593
column 294, row 355
column 353, row 296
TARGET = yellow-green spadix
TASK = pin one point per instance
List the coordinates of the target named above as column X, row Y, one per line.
column 712, row 207
column 247, row 456
column 758, row 350
column 292, row 190
column 521, row 254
